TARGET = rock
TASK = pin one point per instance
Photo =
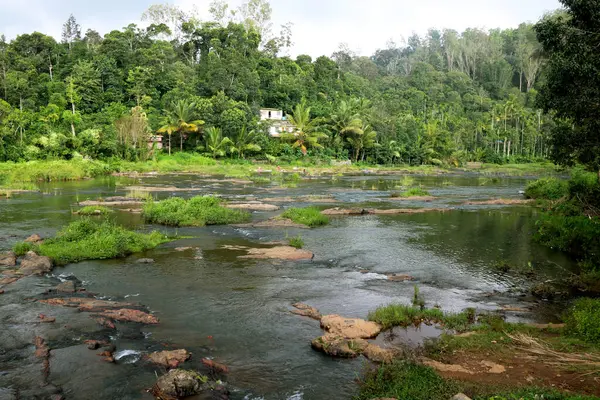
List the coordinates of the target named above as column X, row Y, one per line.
column 338, row 346
column 169, row 359
column 95, row 344
column 145, row 261
column 441, row 367
column 183, row 248
column 8, row 259
column 8, row 281
column 279, row 253
column 215, row 366
column 461, row 396
column 88, row 304
column 46, row 319
column 35, row 238
column 493, row 368
column 497, row 202
column 276, row 222
column 399, row 277
column 426, row 199
column 379, row 355
column 254, row 206
column 345, row 211
column 106, row 322
column 128, row 315
column 350, row 328
column 112, row 201
column 33, row 264
column 393, row 211
column 514, row 309
column 306, row 311
column 1, row 291
column 547, row 326
column 66, row 287
column 41, row 348
column 178, row 383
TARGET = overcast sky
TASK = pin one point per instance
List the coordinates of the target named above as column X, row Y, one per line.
column 319, row 25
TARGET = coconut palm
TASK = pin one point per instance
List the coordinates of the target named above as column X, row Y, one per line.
column 215, row 143
column 364, row 141
column 244, row 141
column 181, row 118
column 307, row 130
column 346, row 121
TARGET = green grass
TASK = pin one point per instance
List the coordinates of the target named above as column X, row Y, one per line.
column 22, row 248
column 309, row 216
column 403, row 315
column 296, row 242
column 412, row 192
column 87, row 239
column 197, row 211
column 547, row 189
column 94, row 210
column 583, row 320
column 50, row 171
column 7, row 190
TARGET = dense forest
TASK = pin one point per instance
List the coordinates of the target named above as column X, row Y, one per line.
column 443, row 98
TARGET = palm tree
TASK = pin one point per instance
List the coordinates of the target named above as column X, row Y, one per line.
column 244, row 141
column 215, row 143
column 364, row 141
column 346, row 121
column 308, row 131
column 181, row 118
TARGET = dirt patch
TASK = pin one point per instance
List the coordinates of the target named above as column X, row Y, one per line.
column 273, row 223
column 306, row 311
column 278, row 253
column 499, row 202
column 253, row 206
column 350, row 328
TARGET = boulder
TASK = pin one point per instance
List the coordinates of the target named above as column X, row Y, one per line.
column 128, row 315
column 178, row 383
column 35, row 238
column 379, row 355
column 279, row 253
column 306, row 311
column 169, row 359
column 66, row 287
column 350, row 328
column 338, row 346
column 32, row 264
column 8, row 259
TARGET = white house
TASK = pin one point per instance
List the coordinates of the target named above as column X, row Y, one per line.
column 279, row 123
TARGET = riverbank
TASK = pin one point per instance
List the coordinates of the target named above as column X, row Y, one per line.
column 14, row 174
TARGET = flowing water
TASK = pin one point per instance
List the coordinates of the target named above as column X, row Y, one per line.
column 237, row 311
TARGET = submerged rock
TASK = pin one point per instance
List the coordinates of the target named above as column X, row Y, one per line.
column 169, row 359
column 8, row 259
column 338, row 346
column 345, row 211
column 306, row 311
column 279, row 253
column 66, row 287
column 145, row 261
column 89, row 304
column 32, row 264
column 112, row 201
column 350, row 328
column 215, row 366
column 178, row 383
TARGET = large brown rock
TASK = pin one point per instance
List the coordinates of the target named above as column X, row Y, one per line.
column 350, row 328
column 35, row 238
column 338, row 346
column 306, row 311
column 169, row 359
column 8, row 259
column 178, row 383
column 279, row 253
column 380, row 355
column 32, row 264
column 128, row 315
column 89, row 304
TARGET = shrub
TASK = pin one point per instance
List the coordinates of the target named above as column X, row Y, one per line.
column 197, row 211
column 86, row 239
column 403, row 315
column 583, row 320
column 22, row 248
column 546, row 189
column 94, row 210
column 296, row 242
column 309, row 216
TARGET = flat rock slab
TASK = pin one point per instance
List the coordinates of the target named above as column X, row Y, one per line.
column 66, row 287
column 128, row 315
column 302, row 199
column 375, row 211
column 380, row 355
column 413, row 198
column 8, row 259
column 306, row 311
column 273, row 223
column 279, row 253
column 169, row 359
column 162, row 189
column 499, row 202
column 338, row 346
column 399, row 277
column 88, row 304
column 32, row 264
column 112, row 203
column 253, row 206
column 350, row 328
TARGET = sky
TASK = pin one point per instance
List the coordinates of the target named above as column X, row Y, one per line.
column 319, row 25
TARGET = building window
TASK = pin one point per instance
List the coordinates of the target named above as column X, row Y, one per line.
column 269, row 114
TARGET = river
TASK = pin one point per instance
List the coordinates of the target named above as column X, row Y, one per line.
column 237, row 311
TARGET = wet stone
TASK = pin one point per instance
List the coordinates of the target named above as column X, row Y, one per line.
column 8, row 259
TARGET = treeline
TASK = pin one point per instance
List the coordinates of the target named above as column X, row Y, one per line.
column 445, row 97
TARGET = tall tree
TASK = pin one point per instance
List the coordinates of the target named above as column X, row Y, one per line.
column 71, row 31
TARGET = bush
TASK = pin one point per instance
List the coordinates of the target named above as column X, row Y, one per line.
column 547, row 189
column 309, row 216
column 296, row 242
column 583, row 320
column 94, row 210
column 197, row 211
column 86, row 239
column 22, row 248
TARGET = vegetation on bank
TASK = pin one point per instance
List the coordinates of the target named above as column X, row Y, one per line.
column 86, row 239
column 93, row 211
column 309, row 216
column 197, row 211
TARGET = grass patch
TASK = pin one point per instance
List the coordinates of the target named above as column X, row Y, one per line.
column 583, row 320
column 405, row 380
column 86, row 239
column 197, row 211
column 94, row 210
column 309, row 216
column 54, row 170
column 412, row 192
column 22, row 248
column 296, row 242
column 546, row 189
column 8, row 189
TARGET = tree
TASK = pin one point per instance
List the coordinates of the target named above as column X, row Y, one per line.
column 215, row 143
column 366, row 140
column 181, row 118
column 245, row 141
column 572, row 89
column 307, row 130
column 71, row 31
